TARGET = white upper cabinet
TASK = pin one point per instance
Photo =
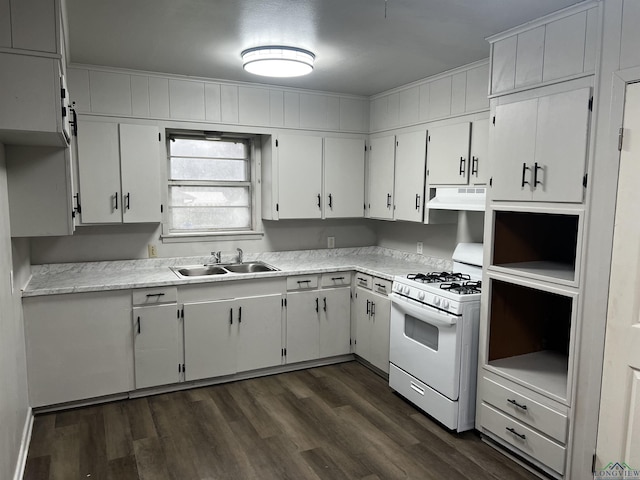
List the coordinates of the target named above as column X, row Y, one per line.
column 34, row 25
column 448, row 154
column 32, row 110
column 112, row 160
column 479, row 166
column 539, row 148
column 380, row 177
column 409, row 176
column 556, row 47
column 343, row 177
column 299, row 176
column 303, row 179
column 40, row 187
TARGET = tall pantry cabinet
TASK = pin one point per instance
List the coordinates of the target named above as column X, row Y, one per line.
column 541, row 83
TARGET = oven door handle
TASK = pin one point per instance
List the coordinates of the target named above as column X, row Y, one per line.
column 427, row 315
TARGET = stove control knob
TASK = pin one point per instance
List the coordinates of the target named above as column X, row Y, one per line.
column 445, row 304
column 421, row 296
column 407, row 290
column 436, row 301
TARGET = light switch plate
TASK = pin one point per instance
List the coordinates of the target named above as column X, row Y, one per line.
column 331, row 242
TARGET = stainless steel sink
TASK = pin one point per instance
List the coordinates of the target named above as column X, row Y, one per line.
column 191, row 271
column 250, row 267
column 199, row 270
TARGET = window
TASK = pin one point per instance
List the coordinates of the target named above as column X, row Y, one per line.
column 210, row 189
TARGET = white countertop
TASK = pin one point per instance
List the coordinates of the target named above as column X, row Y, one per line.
column 61, row 278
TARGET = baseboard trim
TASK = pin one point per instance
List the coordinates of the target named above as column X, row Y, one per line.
column 24, row 446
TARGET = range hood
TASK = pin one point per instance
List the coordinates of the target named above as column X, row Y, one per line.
column 458, row 198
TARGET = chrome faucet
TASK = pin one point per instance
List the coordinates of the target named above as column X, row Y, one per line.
column 239, row 255
column 216, row 256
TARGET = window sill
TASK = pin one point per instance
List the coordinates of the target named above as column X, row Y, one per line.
column 210, row 237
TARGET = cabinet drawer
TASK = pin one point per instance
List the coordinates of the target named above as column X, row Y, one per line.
column 338, row 279
column 528, row 441
column 363, row 280
column 525, row 409
column 381, row 286
column 153, row 296
column 301, row 282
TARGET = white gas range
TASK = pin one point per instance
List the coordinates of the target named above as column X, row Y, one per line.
column 434, row 338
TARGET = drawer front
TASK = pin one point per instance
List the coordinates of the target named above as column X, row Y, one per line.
column 381, row 286
column 523, row 438
column 302, row 282
column 526, row 410
column 339, row 279
column 153, row 296
column 363, row 280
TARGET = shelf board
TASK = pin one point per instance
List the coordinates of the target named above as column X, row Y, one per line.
column 544, row 371
column 557, row 270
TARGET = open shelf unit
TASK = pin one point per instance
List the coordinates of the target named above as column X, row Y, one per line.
column 530, row 333
column 537, row 245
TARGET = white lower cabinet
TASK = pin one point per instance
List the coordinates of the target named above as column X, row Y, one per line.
column 372, row 313
column 335, row 328
column 78, row 346
column 157, row 336
column 318, row 319
column 303, row 326
column 224, row 337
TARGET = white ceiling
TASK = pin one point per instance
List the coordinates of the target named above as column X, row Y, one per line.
column 357, row 49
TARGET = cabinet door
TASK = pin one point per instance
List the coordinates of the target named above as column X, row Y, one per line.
column 512, row 146
column 140, row 159
column 380, row 320
column 210, row 339
column 259, row 332
column 561, row 146
column 479, row 167
column 409, row 176
column 335, row 326
column 78, row 346
column 156, row 338
column 39, row 181
column 448, row 154
column 303, row 326
column 99, row 172
column 362, row 306
column 381, row 170
column 299, row 176
column 343, row 177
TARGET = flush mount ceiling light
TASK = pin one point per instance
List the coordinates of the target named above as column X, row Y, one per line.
column 275, row 61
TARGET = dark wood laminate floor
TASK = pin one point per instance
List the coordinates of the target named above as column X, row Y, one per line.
column 335, row 422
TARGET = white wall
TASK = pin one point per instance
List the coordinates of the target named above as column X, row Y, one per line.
column 14, row 409
column 123, row 242
column 438, row 240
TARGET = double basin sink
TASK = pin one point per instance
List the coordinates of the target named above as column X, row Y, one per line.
column 192, row 271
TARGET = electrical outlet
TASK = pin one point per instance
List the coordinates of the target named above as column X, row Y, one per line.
column 419, row 248
column 331, row 242
column 153, row 250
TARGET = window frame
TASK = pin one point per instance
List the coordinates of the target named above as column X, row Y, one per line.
column 253, row 184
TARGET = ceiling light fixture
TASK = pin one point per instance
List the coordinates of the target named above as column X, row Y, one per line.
column 276, row 61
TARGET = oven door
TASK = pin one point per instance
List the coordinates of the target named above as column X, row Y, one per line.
column 426, row 343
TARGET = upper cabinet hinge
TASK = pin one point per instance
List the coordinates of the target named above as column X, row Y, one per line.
column 428, row 138
column 493, row 120
column 276, row 142
column 584, row 180
column 591, row 104
column 620, row 138
column 593, row 463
